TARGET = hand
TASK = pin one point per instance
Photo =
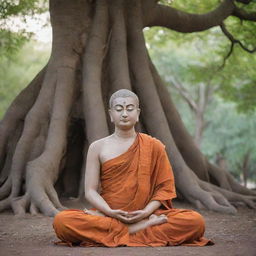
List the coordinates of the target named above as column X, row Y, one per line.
column 120, row 215
column 137, row 216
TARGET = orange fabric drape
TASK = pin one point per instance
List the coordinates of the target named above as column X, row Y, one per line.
column 129, row 182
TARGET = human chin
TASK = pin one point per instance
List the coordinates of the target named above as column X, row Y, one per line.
column 125, row 125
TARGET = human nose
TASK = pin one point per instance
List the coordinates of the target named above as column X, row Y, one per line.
column 124, row 113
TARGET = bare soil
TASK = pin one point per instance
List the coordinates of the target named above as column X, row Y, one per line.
column 234, row 235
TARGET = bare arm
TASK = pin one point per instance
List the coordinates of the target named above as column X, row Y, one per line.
column 92, row 177
column 151, row 207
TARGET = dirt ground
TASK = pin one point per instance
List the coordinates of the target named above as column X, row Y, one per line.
column 234, row 235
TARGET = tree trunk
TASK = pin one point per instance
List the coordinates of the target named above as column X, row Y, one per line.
column 98, row 47
column 197, row 105
column 245, row 166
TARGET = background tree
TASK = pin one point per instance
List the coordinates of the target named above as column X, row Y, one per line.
column 197, row 62
column 230, row 136
column 193, row 77
column 11, row 38
column 17, row 69
column 99, row 47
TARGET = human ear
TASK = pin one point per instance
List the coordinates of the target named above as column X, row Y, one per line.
column 138, row 111
column 110, row 115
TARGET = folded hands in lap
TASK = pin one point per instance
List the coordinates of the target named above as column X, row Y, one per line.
column 123, row 216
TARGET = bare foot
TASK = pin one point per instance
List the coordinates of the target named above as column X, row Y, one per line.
column 156, row 220
column 151, row 221
column 94, row 212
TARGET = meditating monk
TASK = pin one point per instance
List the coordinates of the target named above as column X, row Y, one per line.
column 133, row 206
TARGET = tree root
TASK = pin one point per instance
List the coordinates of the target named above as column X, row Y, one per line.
column 221, row 176
column 72, row 172
column 33, row 209
column 58, row 123
column 22, row 152
column 225, row 180
column 183, row 140
column 81, row 185
column 234, row 197
column 92, row 68
column 142, row 79
column 20, row 204
column 47, row 164
column 5, row 188
column 118, row 59
column 18, row 110
column 238, row 188
column 5, row 204
column 37, row 114
column 39, row 155
column 10, row 149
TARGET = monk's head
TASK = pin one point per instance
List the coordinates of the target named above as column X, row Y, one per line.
column 123, row 93
column 124, row 108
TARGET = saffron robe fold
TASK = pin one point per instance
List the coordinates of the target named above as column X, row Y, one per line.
column 129, row 182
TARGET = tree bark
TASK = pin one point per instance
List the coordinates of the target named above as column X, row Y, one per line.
column 98, row 47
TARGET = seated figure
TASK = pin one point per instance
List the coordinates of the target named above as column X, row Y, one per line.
column 134, row 205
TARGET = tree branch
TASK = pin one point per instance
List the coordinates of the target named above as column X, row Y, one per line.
column 227, row 56
column 234, row 40
column 244, row 15
column 244, row 1
column 185, row 94
column 186, row 22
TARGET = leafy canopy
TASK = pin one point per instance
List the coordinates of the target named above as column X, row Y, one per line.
column 12, row 38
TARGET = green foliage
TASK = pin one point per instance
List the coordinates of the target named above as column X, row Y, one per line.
column 200, row 56
column 196, row 6
column 11, row 39
column 239, row 75
column 197, row 58
column 21, row 7
column 10, row 43
column 18, row 63
column 18, row 70
column 232, row 135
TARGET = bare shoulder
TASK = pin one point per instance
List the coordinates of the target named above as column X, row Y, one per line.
column 98, row 145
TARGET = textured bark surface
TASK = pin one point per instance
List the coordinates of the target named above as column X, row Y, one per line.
column 98, row 47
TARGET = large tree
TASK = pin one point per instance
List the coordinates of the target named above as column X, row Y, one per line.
column 98, row 47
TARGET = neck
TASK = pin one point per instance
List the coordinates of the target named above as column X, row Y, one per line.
column 125, row 134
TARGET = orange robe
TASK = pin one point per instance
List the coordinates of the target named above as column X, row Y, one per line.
column 129, row 182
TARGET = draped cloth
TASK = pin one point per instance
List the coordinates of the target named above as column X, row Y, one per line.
column 129, row 182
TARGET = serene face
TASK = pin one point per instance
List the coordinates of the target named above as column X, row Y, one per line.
column 124, row 112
